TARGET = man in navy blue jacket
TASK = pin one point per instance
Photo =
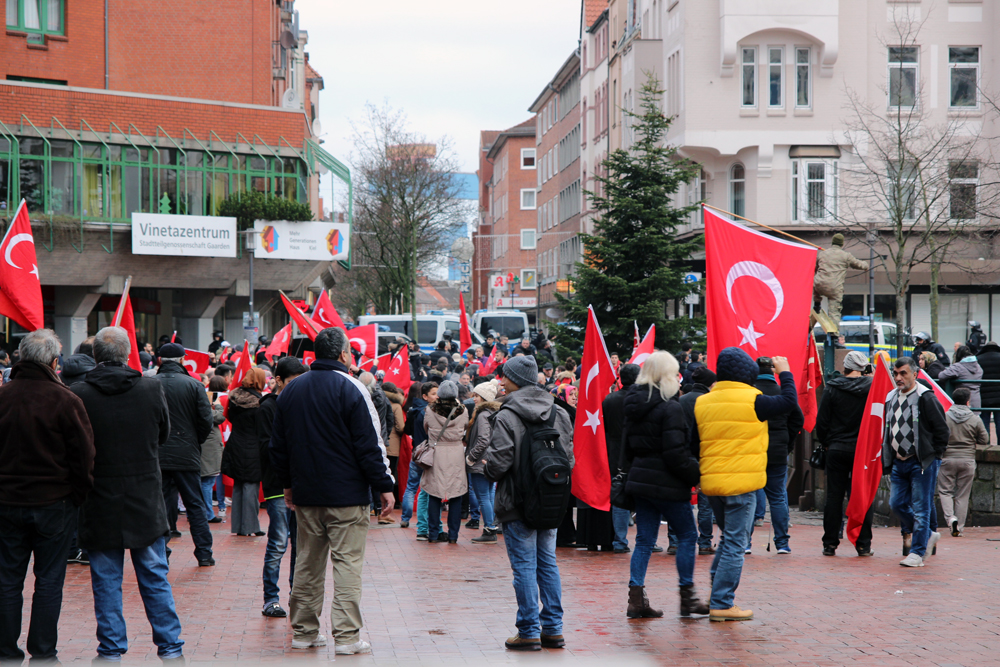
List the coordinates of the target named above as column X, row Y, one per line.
column 327, row 451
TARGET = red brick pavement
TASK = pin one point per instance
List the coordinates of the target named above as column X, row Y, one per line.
column 455, row 604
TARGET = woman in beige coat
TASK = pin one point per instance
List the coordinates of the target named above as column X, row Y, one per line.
column 444, row 423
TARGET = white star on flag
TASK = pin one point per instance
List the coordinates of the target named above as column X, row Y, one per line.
column 34, row 271
column 593, row 420
column 395, row 371
column 749, row 335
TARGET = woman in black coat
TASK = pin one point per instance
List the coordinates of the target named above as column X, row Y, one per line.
column 661, row 471
column 241, row 458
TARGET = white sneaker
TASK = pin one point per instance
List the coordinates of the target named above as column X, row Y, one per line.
column 315, row 642
column 913, row 560
column 748, row 551
column 784, row 550
column 931, row 543
column 360, row 646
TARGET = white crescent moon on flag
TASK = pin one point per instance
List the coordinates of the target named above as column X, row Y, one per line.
column 761, row 273
column 641, row 358
column 191, row 365
column 361, row 343
column 17, row 238
column 591, row 374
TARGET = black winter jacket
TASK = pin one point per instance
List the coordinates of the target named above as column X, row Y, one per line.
column 614, row 425
column 241, row 457
column 989, row 360
column 781, row 431
column 690, row 398
column 265, row 426
column 655, row 449
column 841, row 412
column 130, row 419
column 190, row 418
column 326, row 445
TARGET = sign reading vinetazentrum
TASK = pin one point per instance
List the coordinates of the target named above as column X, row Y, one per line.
column 183, row 235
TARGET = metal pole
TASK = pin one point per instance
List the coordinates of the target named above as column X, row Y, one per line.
column 871, row 294
column 250, row 249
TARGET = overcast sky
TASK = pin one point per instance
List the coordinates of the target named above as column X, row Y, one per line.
column 455, row 67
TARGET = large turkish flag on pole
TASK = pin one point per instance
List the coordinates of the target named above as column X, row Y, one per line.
column 325, row 314
column 125, row 319
column 242, row 368
column 807, row 391
column 464, row 334
column 279, row 344
column 304, row 324
column 20, row 287
column 867, row 472
column 591, row 475
column 365, row 340
column 758, row 293
column 398, row 371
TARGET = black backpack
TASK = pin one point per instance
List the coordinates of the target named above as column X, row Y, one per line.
column 542, row 485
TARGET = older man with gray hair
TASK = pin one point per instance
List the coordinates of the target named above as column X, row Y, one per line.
column 46, row 471
column 125, row 510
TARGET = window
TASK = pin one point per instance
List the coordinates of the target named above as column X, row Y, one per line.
column 527, row 158
column 802, row 78
column 963, row 181
column 528, row 280
column 527, row 239
column 814, row 189
column 795, row 190
column 775, row 76
column 902, row 195
column 737, row 190
column 963, row 61
column 749, row 77
column 38, row 16
column 903, row 76
column 527, row 199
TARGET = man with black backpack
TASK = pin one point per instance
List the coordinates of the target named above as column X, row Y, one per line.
column 530, row 455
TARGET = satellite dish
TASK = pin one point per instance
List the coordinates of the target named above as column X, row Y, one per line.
column 288, row 40
column 317, row 128
column 289, row 99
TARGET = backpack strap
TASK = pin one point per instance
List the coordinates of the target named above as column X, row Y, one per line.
column 451, row 417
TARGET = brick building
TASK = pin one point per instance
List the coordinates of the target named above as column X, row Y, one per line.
column 506, row 239
column 111, row 107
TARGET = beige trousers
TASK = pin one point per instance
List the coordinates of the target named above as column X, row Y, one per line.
column 954, row 486
column 341, row 532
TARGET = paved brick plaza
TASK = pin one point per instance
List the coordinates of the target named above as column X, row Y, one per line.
column 455, row 604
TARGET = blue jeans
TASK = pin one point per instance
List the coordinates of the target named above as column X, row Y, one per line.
column 911, row 496
column 412, row 483
column 279, row 535
column 532, row 555
column 761, row 507
column 482, row 493
column 207, row 484
column 776, row 493
column 705, row 519
column 454, row 517
column 619, row 519
column 106, row 568
column 735, row 516
column 45, row 533
column 647, row 526
column 475, row 513
column 422, row 501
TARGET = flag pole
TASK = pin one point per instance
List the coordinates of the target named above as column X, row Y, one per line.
column 760, row 224
column 121, row 304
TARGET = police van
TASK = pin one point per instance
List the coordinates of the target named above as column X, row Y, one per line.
column 510, row 323
column 430, row 327
column 854, row 329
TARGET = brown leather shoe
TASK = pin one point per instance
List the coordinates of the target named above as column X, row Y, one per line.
column 734, row 613
column 553, row 641
column 638, row 604
column 519, row 643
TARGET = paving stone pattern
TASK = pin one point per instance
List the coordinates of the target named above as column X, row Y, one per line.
column 454, row 604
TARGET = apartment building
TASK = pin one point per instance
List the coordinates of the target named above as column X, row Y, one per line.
column 115, row 107
column 595, row 108
column 559, row 140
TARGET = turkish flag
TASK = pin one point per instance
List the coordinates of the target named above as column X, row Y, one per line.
column 242, row 368
column 195, row 361
column 398, row 371
column 325, row 314
column 807, row 391
column 20, row 286
column 365, row 339
column 279, row 344
column 867, row 471
column 382, row 362
column 758, row 293
column 308, row 357
column 301, row 321
column 224, row 357
column 464, row 335
column 126, row 320
column 635, row 339
column 943, row 398
column 645, row 348
column 591, row 476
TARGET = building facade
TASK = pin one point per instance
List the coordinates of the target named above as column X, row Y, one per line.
column 112, row 108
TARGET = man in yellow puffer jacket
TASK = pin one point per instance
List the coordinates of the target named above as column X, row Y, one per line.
column 730, row 436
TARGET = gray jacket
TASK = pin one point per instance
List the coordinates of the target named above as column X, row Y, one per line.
column 211, row 449
column 965, row 370
column 477, row 439
column 530, row 404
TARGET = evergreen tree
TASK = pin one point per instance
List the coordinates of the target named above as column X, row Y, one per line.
column 635, row 262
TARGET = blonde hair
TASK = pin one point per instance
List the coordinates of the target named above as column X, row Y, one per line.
column 660, row 370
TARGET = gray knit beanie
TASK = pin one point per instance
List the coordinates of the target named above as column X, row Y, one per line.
column 521, row 370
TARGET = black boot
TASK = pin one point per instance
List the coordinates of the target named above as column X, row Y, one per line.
column 638, row 604
column 690, row 604
column 488, row 537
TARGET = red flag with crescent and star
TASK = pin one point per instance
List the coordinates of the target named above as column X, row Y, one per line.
column 645, row 348
column 398, row 371
column 20, row 286
column 365, row 340
column 591, row 476
column 196, row 362
column 807, row 391
column 758, row 293
column 325, row 314
column 304, row 324
column 279, row 344
column 242, row 367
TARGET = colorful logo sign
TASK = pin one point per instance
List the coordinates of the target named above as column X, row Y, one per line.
column 269, row 239
column 335, row 242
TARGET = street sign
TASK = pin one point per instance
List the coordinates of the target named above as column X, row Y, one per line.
column 515, row 302
column 691, row 299
column 692, row 277
column 496, row 281
column 510, row 277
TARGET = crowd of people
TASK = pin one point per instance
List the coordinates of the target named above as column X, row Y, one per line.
column 97, row 458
